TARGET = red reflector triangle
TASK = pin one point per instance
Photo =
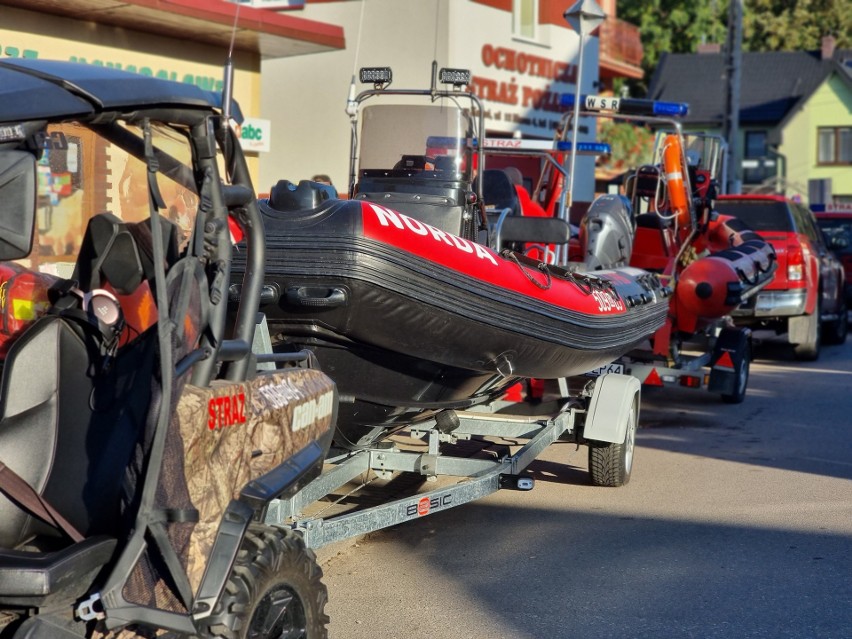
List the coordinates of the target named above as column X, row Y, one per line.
column 725, row 361
column 653, row 378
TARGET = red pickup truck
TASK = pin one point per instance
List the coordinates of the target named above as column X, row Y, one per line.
column 806, row 298
column 835, row 221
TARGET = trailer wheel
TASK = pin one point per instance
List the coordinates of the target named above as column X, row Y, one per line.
column 610, row 464
column 742, row 371
column 274, row 590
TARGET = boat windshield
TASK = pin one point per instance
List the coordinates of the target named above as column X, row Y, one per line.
column 420, row 141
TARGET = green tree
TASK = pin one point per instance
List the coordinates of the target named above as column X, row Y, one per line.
column 675, row 26
column 768, row 25
column 629, row 144
column 782, row 25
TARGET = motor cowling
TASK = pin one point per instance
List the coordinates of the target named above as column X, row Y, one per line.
column 606, row 233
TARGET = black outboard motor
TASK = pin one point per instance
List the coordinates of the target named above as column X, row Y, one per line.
column 606, row 233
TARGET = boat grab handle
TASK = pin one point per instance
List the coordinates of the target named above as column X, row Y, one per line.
column 317, row 296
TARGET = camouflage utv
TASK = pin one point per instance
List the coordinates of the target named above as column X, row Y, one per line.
column 139, row 445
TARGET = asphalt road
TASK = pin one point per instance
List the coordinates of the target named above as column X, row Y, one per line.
column 737, row 523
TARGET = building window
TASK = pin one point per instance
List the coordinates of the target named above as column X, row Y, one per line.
column 524, row 18
column 834, row 145
column 755, row 144
column 756, row 169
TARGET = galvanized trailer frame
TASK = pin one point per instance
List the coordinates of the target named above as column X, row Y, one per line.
column 602, row 415
column 480, row 477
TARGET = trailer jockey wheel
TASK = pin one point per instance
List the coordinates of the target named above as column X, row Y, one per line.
column 610, row 464
column 274, row 591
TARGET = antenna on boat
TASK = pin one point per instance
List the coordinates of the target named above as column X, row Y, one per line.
column 351, row 103
column 584, row 16
column 228, row 80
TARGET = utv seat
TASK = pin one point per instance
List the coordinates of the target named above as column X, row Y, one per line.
column 68, row 425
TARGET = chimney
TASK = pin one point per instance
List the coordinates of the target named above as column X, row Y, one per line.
column 709, row 47
column 828, row 44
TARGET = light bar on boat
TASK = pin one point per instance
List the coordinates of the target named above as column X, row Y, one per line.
column 513, row 144
column 375, row 75
column 585, row 148
column 446, row 142
column 626, row 106
column 456, row 77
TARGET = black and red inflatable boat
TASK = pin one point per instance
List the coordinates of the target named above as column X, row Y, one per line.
column 409, row 319
column 406, row 292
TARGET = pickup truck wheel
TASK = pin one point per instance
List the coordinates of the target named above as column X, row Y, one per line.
column 742, row 371
column 808, row 349
column 611, row 464
column 274, row 591
column 835, row 332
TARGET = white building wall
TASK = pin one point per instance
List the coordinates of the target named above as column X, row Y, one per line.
column 305, row 96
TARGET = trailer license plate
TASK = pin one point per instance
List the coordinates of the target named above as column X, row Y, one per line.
column 603, row 370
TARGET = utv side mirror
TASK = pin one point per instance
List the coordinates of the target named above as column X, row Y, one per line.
column 17, row 203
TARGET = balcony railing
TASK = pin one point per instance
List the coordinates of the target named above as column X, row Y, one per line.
column 620, row 42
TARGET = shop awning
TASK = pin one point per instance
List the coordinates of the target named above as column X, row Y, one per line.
column 271, row 34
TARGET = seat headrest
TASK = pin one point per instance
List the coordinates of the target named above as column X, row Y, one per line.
column 120, row 253
column 108, row 253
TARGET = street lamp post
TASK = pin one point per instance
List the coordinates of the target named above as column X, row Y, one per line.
column 584, row 16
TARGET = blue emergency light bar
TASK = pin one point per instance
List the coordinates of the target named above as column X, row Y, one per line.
column 514, row 144
column 626, row 106
column 585, row 148
column 446, row 142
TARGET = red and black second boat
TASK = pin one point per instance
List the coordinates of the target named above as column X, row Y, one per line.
column 409, row 319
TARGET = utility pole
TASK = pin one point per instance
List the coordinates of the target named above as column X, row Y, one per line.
column 731, row 121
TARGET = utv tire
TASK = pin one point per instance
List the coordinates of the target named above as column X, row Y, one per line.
column 835, row 332
column 610, row 464
column 274, row 591
column 742, row 372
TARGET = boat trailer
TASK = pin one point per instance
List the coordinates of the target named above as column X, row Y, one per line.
column 601, row 413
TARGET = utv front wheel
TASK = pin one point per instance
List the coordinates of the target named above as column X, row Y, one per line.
column 274, row 591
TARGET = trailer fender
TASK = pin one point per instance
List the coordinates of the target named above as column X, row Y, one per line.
column 610, row 406
column 726, row 362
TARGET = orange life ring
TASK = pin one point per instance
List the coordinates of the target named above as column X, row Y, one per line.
column 674, row 167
